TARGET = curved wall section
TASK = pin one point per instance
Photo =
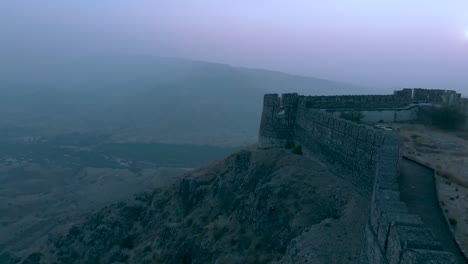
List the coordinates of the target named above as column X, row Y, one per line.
column 349, row 148
column 370, row 160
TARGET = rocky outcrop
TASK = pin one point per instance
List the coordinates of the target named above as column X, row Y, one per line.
column 256, row 206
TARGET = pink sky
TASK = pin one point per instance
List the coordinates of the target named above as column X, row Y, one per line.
column 376, row 43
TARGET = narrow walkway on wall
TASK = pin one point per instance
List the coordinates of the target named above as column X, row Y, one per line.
column 417, row 190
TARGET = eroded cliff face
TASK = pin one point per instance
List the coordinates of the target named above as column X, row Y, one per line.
column 255, row 206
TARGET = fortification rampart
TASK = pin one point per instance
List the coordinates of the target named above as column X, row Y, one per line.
column 398, row 99
column 277, row 124
column 369, row 159
column 392, row 234
column 356, row 102
column 436, row 96
column 348, row 147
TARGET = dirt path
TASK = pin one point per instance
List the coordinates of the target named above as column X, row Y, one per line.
column 417, row 189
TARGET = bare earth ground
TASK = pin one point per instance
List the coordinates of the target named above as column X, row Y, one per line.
column 447, row 152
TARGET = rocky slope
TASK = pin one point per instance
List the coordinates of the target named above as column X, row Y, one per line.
column 255, row 206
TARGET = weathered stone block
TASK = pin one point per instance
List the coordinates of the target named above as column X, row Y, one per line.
column 387, row 195
column 402, row 238
column 372, row 251
column 390, row 219
column 378, row 207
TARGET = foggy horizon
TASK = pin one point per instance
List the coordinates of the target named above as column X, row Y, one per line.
column 383, row 45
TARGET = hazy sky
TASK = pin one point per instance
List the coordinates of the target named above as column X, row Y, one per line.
column 417, row 43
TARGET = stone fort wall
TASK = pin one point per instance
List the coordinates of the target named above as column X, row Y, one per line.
column 398, row 99
column 366, row 157
column 349, row 148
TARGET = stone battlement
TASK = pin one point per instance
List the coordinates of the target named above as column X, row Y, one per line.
column 366, row 157
column 396, row 100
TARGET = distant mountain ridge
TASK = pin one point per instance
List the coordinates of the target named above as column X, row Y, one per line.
column 137, row 98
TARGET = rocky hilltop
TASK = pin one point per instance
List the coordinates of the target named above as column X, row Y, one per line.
column 255, row 206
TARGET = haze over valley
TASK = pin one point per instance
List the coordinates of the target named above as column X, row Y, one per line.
column 147, row 99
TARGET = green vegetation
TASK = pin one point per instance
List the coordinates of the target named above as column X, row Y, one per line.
column 447, row 117
column 353, row 116
column 452, row 221
column 297, row 150
column 290, row 145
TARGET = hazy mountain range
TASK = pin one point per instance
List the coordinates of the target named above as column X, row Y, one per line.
column 145, row 99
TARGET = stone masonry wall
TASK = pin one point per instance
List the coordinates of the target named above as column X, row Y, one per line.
column 356, row 102
column 369, row 159
column 278, row 118
column 393, row 235
column 436, row 96
column 349, row 148
column 398, row 99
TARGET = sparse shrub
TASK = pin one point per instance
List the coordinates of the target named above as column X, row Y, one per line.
column 242, row 229
column 447, row 117
column 232, row 241
column 131, row 212
column 296, row 205
column 244, row 242
column 220, row 232
column 33, row 258
column 453, row 221
column 258, row 245
column 189, row 222
column 333, row 206
column 146, row 197
column 297, row 150
column 353, row 116
column 290, row 144
column 205, row 218
column 74, row 231
column 127, row 242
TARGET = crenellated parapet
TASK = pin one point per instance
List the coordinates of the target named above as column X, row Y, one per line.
column 398, row 99
column 356, row 102
column 436, row 96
